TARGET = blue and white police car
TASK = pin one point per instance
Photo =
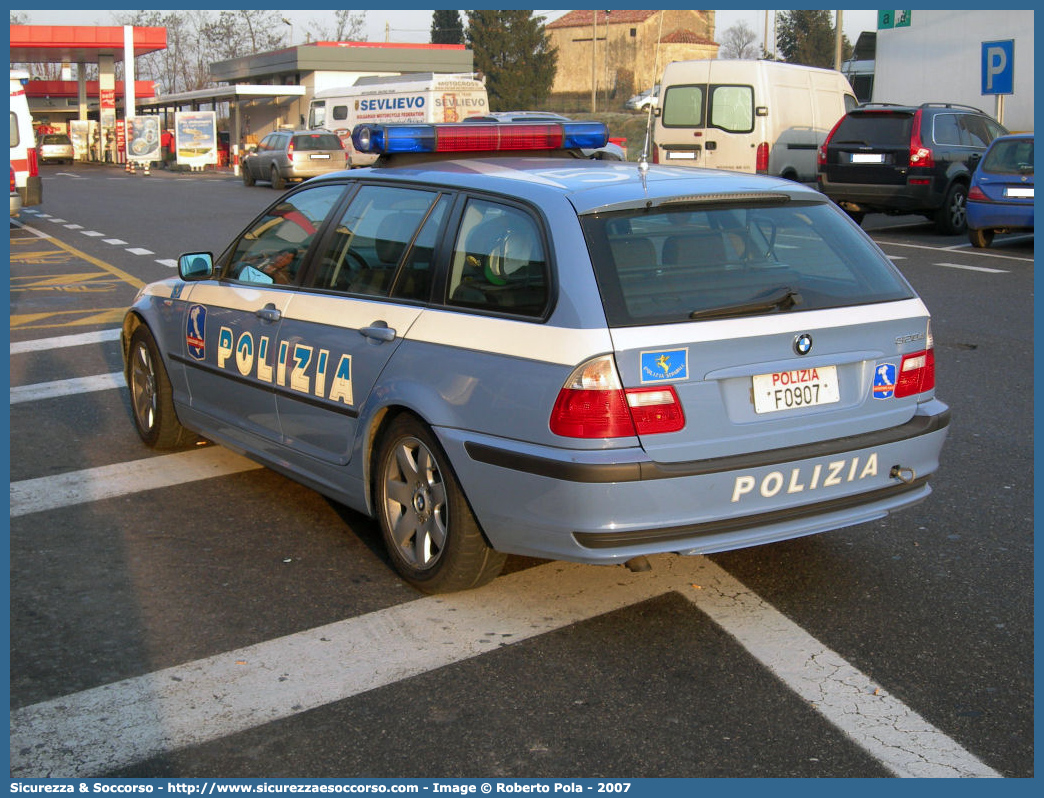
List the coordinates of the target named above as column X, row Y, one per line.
column 495, row 347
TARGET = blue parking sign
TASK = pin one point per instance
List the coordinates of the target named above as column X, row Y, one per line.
column 998, row 67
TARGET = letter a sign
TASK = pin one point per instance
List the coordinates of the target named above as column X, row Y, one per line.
column 998, row 67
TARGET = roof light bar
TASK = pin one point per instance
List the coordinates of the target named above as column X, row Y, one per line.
column 456, row 137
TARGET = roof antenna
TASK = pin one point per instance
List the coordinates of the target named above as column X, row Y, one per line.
column 643, row 159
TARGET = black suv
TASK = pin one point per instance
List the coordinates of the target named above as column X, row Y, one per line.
column 885, row 158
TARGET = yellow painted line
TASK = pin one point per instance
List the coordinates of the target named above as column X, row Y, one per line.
column 118, row 273
column 26, row 281
column 28, row 321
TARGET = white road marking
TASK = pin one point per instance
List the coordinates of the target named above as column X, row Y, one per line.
column 169, row 262
column 116, row 242
column 62, row 341
column 71, row 387
column 115, row 725
column 972, row 268
column 106, row 482
column 91, row 233
column 140, row 251
column 71, row 226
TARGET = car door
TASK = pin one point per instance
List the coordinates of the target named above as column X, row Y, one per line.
column 235, row 364
column 367, row 288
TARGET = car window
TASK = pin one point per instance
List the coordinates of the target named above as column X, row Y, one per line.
column 15, row 137
column 683, row 106
column 273, row 248
column 415, row 277
column 946, row 129
column 673, row 265
column 371, row 239
column 498, row 261
column 732, row 108
column 973, row 131
column 340, row 112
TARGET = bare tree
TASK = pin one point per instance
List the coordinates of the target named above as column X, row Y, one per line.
column 347, row 26
column 739, row 41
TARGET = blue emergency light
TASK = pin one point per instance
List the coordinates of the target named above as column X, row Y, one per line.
column 464, row 137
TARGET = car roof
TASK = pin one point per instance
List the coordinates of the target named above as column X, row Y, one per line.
column 589, row 185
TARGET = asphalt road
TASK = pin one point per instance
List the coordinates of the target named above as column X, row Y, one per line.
column 195, row 616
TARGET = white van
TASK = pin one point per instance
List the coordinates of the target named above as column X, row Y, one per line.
column 23, row 144
column 423, row 98
column 748, row 116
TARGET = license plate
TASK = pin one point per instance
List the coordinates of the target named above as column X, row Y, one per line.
column 864, row 157
column 788, row 390
column 321, row 157
column 1021, row 193
column 681, row 155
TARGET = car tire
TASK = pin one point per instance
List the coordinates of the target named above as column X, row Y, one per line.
column 980, row 238
column 248, row 178
column 952, row 218
column 277, row 180
column 152, row 399
column 431, row 534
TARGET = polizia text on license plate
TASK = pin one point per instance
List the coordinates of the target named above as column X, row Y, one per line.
column 786, row 390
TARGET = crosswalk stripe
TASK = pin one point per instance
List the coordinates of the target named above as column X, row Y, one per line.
column 102, row 729
column 106, row 482
column 71, row 387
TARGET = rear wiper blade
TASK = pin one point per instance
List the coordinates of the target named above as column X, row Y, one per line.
column 782, row 299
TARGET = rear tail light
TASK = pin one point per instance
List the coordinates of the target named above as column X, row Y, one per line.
column 977, row 194
column 594, row 404
column 290, row 152
column 762, row 158
column 916, row 374
column 34, row 167
column 655, row 154
column 13, row 185
column 920, row 155
column 821, row 155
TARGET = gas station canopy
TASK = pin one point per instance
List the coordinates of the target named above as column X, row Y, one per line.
column 50, row 44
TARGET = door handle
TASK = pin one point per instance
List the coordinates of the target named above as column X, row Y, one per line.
column 378, row 331
column 269, row 313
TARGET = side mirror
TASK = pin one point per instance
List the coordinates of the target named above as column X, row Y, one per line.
column 973, row 161
column 196, row 266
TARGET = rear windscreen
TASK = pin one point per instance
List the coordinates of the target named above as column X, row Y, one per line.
column 317, row 141
column 875, row 130
column 688, row 263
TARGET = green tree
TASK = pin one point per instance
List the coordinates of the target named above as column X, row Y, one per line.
column 512, row 49
column 807, row 37
column 447, row 27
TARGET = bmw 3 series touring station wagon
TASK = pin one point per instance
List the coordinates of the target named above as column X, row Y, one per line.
column 494, row 346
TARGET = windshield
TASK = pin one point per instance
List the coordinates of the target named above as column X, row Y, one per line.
column 671, row 264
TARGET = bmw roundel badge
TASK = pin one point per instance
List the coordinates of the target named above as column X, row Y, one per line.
column 803, row 344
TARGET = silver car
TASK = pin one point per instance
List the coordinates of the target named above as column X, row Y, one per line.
column 55, row 147
column 291, row 156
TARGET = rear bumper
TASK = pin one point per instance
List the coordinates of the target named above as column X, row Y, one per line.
column 870, row 198
column 989, row 216
column 609, row 506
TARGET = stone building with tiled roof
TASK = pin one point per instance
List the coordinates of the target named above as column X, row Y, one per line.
column 630, row 48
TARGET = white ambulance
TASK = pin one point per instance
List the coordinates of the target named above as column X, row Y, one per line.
column 422, row 98
column 748, row 116
column 23, row 144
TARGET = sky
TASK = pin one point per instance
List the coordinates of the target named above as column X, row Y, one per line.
column 414, row 25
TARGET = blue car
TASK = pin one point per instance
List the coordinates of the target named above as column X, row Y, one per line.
column 1000, row 199
column 493, row 345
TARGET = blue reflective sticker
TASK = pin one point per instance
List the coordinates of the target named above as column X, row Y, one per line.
column 196, row 332
column 672, row 364
column 884, row 381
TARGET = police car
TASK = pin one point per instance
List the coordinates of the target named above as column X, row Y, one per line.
column 495, row 347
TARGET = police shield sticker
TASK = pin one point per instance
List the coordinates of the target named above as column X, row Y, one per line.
column 196, row 332
column 884, row 381
column 665, row 366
